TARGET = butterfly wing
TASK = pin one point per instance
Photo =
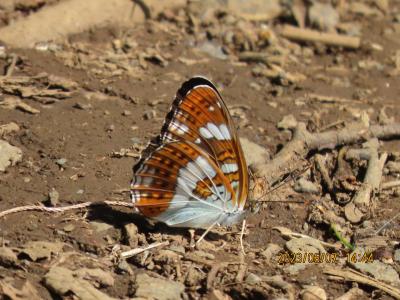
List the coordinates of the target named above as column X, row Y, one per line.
column 180, row 185
column 199, row 115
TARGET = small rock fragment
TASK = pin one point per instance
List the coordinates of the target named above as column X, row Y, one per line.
column 393, row 167
column 7, row 257
column 9, row 155
column 254, row 10
column 124, row 267
column 36, row 250
column 254, row 153
column 156, row 288
column 252, row 279
column 378, row 270
column 270, row 253
column 396, row 255
column 212, row 49
column 305, row 245
column 61, row 162
column 102, row 277
column 15, row 103
column 130, row 235
column 83, row 106
column 100, row 226
column 218, row 295
column 69, row 227
column 313, row 293
column 53, row 197
column 8, row 128
column 149, row 114
column 63, row 281
column 287, row 122
column 305, row 186
column 323, row 16
column 26, row 291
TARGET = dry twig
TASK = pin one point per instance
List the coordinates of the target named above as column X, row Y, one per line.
column 292, row 155
column 136, row 251
column 307, row 35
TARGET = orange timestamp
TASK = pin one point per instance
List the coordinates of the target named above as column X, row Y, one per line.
column 285, row 258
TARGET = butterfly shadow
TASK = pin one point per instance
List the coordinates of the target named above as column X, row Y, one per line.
column 118, row 218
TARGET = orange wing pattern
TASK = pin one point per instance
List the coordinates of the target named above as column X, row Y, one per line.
column 198, row 114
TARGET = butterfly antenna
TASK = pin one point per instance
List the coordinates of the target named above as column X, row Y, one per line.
column 286, row 180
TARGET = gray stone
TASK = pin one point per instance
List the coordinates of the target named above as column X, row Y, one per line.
column 254, row 153
column 156, row 288
column 397, row 255
column 252, row 279
column 323, row 16
column 380, row 271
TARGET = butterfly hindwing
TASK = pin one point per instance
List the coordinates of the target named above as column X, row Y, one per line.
column 178, row 183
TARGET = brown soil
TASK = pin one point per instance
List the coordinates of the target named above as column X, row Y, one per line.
column 86, row 138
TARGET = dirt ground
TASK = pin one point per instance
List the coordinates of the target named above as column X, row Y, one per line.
column 100, row 96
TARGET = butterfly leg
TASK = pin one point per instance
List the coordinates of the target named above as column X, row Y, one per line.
column 241, row 236
column 206, row 232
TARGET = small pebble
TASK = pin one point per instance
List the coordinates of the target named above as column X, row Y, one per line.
column 252, row 279
column 53, row 197
column 397, row 255
column 80, row 192
column 83, row 106
column 126, row 113
column 149, row 114
column 61, row 162
column 69, row 228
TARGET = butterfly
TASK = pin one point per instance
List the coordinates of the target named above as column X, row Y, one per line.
column 195, row 174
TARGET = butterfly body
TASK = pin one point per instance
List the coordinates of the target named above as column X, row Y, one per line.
column 196, row 174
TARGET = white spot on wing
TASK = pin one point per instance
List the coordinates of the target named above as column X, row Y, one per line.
column 197, row 141
column 205, row 133
column 213, row 131
column 225, row 132
column 229, row 168
column 179, row 128
column 206, row 167
column 211, row 108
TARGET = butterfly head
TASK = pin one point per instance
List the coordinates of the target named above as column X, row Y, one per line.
column 257, row 192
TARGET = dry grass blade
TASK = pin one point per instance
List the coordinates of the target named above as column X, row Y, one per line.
column 136, row 251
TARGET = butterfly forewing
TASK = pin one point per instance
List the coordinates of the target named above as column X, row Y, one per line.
column 199, row 115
